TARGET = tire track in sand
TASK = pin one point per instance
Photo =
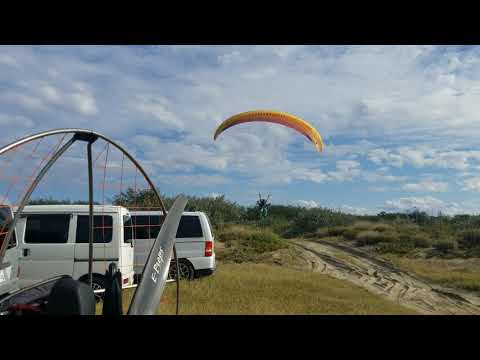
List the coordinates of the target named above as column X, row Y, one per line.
column 382, row 278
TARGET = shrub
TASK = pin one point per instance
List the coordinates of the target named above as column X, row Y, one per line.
column 408, row 229
column 469, row 239
column 350, row 234
column 445, row 245
column 319, row 233
column 309, row 220
column 388, row 236
column 474, row 252
column 382, row 227
column 399, row 247
column 422, row 240
column 368, row 237
column 234, row 232
column 264, row 241
column 364, row 225
column 336, row 231
column 243, row 243
column 406, row 238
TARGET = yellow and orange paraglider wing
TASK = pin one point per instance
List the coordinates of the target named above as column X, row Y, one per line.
column 275, row 117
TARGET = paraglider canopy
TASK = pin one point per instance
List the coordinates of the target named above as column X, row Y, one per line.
column 276, row 117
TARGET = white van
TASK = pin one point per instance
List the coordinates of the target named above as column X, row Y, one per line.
column 54, row 241
column 194, row 242
column 9, row 274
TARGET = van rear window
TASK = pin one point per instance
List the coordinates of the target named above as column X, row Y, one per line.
column 142, row 227
column 102, row 232
column 189, row 227
column 47, row 228
column 148, row 227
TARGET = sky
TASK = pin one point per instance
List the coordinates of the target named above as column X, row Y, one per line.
column 400, row 124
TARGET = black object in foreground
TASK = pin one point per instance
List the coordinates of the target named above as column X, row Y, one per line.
column 60, row 295
column 112, row 302
column 71, row 297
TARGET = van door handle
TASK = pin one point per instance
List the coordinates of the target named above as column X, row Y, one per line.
column 26, row 252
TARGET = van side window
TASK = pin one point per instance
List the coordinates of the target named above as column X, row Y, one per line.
column 47, row 228
column 142, row 227
column 102, row 229
column 189, row 227
column 127, row 229
column 155, row 225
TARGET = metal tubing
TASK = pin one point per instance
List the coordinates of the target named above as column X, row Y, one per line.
column 90, row 214
column 87, row 132
column 29, row 192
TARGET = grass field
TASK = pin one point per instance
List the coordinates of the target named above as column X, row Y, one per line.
column 461, row 274
column 243, row 289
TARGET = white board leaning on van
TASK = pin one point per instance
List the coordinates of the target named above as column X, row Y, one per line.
column 53, row 241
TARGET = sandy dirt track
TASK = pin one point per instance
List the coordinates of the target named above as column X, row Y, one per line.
column 382, row 278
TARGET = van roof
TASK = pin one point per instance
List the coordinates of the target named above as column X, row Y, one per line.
column 72, row 208
column 157, row 212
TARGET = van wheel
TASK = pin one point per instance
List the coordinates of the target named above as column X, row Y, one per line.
column 98, row 283
column 187, row 272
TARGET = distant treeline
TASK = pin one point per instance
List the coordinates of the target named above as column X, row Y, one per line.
column 286, row 219
column 52, row 201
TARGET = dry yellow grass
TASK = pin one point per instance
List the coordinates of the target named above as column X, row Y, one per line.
column 456, row 273
column 243, row 289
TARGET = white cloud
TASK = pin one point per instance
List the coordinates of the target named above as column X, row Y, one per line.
column 285, row 51
column 260, row 73
column 346, row 170
column 426, row 185
column 430, row 205
column 378, row 189
column 6, row 59
column 230, row 58
column 409, row 203
column 51, row 94
column 472, row 184
column 425, row 156
column 158, row 108
column 84, row 103
column 313, row 175
column 196, row 181
column 173, row 156
column 382, row 156
column 309, row 204
column 26, row 101
column 41, row 96
column 380, row 176
column 357, row 210
column 16, row 120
